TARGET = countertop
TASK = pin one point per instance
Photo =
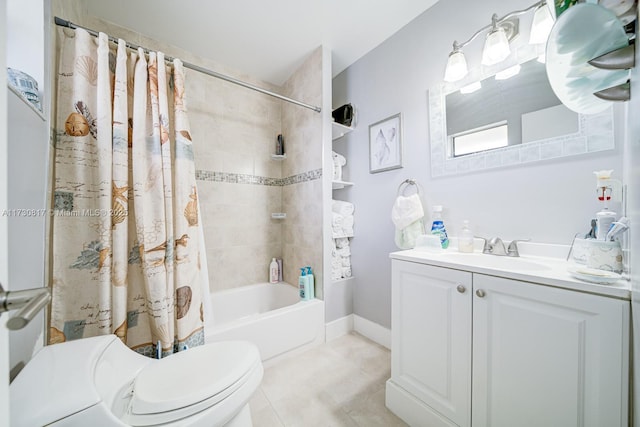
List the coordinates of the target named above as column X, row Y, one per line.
column 553, row 270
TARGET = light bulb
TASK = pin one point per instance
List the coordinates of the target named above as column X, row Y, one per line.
column 541, row 25
column 496, row 47
column 456, row 66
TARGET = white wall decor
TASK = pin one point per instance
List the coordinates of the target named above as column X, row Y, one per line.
column 385, row 144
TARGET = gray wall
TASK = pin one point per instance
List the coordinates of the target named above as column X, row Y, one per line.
column 547, row 201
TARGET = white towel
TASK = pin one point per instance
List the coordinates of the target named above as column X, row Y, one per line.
column 341, row 242
column 346, row 272
column 337, row 220
column 342, row 207
column 336, row 274
column 346, row 251
column 346, row 261
column 406, row 210
column 347, row 221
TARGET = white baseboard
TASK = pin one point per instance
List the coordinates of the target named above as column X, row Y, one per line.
column 338, row 327
column 372, row 330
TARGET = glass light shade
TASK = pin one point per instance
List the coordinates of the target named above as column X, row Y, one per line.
column 496, row 47
column 541, row 25
column 456, row 67
column 508, row 73
column 471, row 88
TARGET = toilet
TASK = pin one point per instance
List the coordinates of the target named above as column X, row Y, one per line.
column 100, row 381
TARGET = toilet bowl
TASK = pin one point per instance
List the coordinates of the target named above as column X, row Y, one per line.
column 99, row 381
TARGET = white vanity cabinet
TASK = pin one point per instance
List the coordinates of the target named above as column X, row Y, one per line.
column 480, row 350
column 431, row 343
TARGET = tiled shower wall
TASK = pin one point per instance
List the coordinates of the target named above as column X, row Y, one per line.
column 302, row 201
column 234, row 131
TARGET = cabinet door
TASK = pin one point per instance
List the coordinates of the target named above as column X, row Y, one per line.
column 431, row 337
column 545, row 356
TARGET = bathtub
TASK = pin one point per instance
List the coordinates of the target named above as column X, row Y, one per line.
column 269, row 315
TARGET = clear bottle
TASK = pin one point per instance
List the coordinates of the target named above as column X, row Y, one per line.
column 465, row 240
column 273, row 271
column 438, row 227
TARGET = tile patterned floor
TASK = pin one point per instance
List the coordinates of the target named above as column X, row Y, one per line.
column 340, row 383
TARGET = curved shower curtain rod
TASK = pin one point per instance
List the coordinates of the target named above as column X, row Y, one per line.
column 64, row 23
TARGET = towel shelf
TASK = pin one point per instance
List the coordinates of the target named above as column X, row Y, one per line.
column 278, row 215
column 338, row 185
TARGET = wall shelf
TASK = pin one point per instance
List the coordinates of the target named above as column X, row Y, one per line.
column 338, row 130
column 278, row 215
column 278, row 157
column 338, row 185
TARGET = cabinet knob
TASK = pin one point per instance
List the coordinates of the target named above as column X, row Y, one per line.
column 480, row 293
column 461, row 289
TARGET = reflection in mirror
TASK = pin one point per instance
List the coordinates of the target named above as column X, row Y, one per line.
column 523, row 105
column 508, row 117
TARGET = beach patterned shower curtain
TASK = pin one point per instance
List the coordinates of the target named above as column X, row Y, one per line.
column 125, row 232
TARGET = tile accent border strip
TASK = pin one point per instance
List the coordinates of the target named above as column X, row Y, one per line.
column 238, row 178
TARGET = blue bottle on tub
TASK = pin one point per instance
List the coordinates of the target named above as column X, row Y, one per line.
column 302, row 284
column 310, row 282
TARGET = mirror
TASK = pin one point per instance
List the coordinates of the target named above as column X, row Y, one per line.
column 509, row 121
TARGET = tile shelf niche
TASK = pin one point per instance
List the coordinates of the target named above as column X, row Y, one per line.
column 338, row 130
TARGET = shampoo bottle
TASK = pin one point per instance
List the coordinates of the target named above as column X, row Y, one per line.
column 438, row 227
column 465, row 240
column 302, row 284
column 310, row 282
column 273, row 271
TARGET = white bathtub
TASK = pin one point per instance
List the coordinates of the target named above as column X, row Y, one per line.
column 269, row 315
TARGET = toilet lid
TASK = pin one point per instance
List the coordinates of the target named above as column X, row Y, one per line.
column 192, row 378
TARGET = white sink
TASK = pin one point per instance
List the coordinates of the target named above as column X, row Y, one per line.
column 494, row 261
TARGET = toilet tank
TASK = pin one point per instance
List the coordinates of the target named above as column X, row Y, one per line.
column 60, row 379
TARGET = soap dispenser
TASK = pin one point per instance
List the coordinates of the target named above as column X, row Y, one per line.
column 465, row 240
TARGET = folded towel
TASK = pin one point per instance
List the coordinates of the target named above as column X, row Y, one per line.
column 346, row 261
column 346, row 272
column 342, row 242
column 337, row 220
column 406, row 210
column 347, row 221
column 336, row 263
column 342, row 207
column 406, row 237
column 336, row 274
column 338, row 159
column 348, row 232
column 346, row 251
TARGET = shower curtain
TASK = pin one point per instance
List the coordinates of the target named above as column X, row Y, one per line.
column 125, row 227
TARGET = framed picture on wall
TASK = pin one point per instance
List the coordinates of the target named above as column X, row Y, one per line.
column 385, row 144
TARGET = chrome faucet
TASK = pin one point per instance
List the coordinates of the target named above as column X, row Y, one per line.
column 512, row 250
column 495, row 246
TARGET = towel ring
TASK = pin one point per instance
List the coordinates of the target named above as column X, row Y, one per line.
column 406, row 184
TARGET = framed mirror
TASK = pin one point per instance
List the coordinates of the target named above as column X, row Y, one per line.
column 509, row 120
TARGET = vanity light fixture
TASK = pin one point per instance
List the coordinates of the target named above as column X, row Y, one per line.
column 456, row 65
column 541, row 25
column 496, row 45
column 501, row 32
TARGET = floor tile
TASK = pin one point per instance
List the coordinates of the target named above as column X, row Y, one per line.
column 340, row 383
